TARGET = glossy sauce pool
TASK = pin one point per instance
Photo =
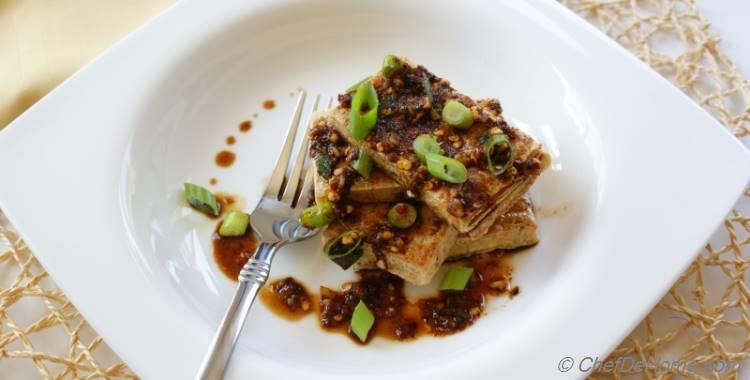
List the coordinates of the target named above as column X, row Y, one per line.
column 231, row 253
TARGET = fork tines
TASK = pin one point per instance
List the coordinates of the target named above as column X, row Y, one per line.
column 292, row 189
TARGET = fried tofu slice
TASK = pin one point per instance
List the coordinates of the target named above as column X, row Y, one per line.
column 406, row 111
column 514, row 229
column 414, row 254
column 424, row 249
column 376, row 189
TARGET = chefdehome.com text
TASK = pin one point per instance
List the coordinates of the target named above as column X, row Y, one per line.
column 588, row 364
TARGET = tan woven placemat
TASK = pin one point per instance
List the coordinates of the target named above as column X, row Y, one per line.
column 704, row 319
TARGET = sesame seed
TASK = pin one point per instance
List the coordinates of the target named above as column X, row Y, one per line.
column 404, row 164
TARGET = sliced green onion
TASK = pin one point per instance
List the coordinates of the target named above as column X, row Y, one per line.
column 345, row 249
column 363, row 164
column 402, row 215
column 234, row 224
column 446, row 168
column 425, row 144
column 457, row 115
column 201, row 199
column 499, row 152
column 317, row 216
column 361, row 123
column 456, row 278
column 355, row 86
column 362, row 321
column 428, row 89
column 391, row 63
column 324, row 165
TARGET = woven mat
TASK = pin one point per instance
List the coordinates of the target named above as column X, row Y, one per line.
column 702, row 320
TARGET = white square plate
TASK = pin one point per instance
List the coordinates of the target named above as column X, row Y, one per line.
column 640, row 169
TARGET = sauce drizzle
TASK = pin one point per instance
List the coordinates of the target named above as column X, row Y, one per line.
column 246, row 125
column 231, row 140
column 225, row 158
column 269, row 104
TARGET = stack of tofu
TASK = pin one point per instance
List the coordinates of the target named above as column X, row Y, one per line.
column 483, row 213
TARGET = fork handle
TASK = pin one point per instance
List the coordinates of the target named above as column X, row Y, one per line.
column 251, row 279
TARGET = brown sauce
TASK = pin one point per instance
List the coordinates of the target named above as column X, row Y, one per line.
column 225, row 158
column 246, row 125
column 231, row 140
column 269, row 104
column 227, row 202
column 288, row 298
column 397, row 318
column 213, row 181
column 231, row 253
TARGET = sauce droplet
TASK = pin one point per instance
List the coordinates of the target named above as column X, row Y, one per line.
column 245, row 126
column 288, row 298
column 231, row 140
column 225, row 158
column 213, row 181
column 269, row 104
column 226, row 201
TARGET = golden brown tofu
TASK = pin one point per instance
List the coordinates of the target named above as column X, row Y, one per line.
column 407, row 111
column 414, row 254
column 514, row 229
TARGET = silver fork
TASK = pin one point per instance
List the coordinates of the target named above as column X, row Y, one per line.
column 275, row 222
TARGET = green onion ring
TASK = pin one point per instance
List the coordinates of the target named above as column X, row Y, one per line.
column 446, row 168
column 497, row 142
column 360, row 124
column 344, row 255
